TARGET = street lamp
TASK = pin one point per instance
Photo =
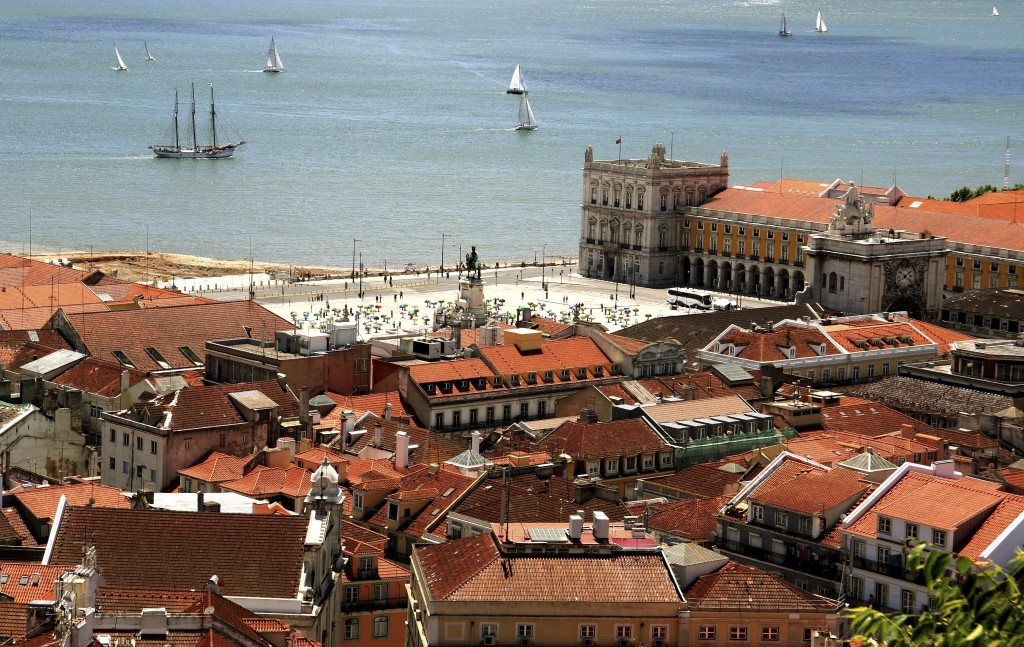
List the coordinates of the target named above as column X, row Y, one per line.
column 544, row 267
column 354, row 241
column 443, row 234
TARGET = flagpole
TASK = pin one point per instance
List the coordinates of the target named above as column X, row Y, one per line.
column 619, row 142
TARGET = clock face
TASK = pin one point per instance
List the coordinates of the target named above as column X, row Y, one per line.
column 904, row 276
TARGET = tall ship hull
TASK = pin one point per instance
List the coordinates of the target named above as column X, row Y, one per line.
column 204, row 152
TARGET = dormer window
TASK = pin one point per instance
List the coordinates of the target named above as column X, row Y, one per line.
column 884, row 525
column 497, row 382
column 549, row 376
column 514, row 379
column 157, row 357
column 598, row 371
column 121, row 357
column 431, row 389
column 463, row 385
column 565, row 374
column 581, row 373
column 446, row 386
column 531, row 378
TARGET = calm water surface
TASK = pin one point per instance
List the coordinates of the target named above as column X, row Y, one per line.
column 390, row 124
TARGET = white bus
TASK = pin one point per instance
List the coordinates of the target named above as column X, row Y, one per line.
column 685, row 297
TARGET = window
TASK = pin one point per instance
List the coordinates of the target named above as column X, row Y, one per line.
column 126, row 439
column 769, row 634
column 223, row 440
column 659, row 632
column 781, row 518
column 624, row 632
column 357, row 500
column 542, row 408
column 524, row 630
column 911, row 531
column 856, row 373
column 757, row 513
column 152, row 447
column 152, row 476
column 188, row 443
column 805, row 524
column 393, row 511
column 524, row 409
column 939, row 537
column 883, row 555
column 138, row 443
column 439, row 420
column 707, row 632
column 908, row 600
column 884, row 525
column 352, row 629
column 351, row 594
column 113, row 463
column 742, row 249
column 506, row 412
column 113, row 436
column 126, row 467
column 456, row 419
column 737, row 633
column 380, row 626
column 488, row 629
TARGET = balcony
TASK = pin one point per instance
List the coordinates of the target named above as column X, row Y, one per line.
column 821, row 568
column 895, row 570
column 623, row 245
column 591, row 241
column 637, row 247
column 754, row 257
column 396, row 602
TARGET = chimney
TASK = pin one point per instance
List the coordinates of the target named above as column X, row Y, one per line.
column 348, row 417
column 575, row 526
column 434, row 467
column 766, row 386
column 387, row 411
column 199, row 500
column 378, row 430
column 125, row 382
column 213, row 584
column 476, row 441
column 401, row 450
column 304, row 410
column 600, row 526
column 944, row 469
column 153, row 623
column 907, row 431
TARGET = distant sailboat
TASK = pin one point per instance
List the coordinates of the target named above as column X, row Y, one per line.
column 149, row 55
column 193, row 149
column 517, row 86
column 995, row 12
column 120, row 67
column 783, row 30
column 526, row 119
column 273, row 59
column 819, row 25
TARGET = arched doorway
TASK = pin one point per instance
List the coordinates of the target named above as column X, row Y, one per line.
column 713, row 275
column 741, row 277
column 698, row 274
column 725, row 283
column 784, row 283
column 798, row 280
column 686, row 270
column 768, row 282
column 755, row 280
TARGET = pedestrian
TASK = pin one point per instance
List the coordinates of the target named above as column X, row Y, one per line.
column 522, row 296
column 400, row 294
column 396, row 298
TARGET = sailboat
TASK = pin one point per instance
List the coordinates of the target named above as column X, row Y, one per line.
column 995, row 12
column 120, row 67
column 819, row 25
column 273, row 59
column 526, row 120
column 517, row 86
column 783, row 30
column 193, row 149
column 149, row 55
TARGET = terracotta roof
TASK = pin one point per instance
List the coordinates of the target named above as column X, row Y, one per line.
column 627, row 344
column 13, row 619
column 603, row 439
column 217, row 467
column 26, row 582
column 533, row 500
column 373, row 474
column 18, row 524
column 265, row 482
column 168, row 330
column 181, row 550
column 430, row 447
column 832, row 448
column 471, row 569
column 372, row 402
column 548, row 326
column 737, row 587
column 312, row 458
column 925, row 499
column 95, row 376
column 362, row 534
column 977, row 230
column 1014, row 477
column 450, row 371
column 41, row 502
column 1006, row 513
column 554, row 355
column 767, row 346
column 445, row 487
column 808, row 490
column 212, row 406
column 701, row 481
column 693, row 519
column 693, row 409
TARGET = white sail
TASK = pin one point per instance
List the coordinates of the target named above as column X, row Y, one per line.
column 526, row 118
column 149, row 55
column 120, row 67
column 273, row 59
column 517, row 85
column 995, row 12
column 783, row 31
column 819, row 24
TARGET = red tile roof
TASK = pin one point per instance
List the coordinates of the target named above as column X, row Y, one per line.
column 18, row 525
column 450, row 371
column 41, row 502
column 212, row 406
column 533, row 500
column 554, row 355
column 767, row 346
column 169, row 329
column 808, row 490
column 588, row 441
column 978, row 230
column 372, row 402
column 702, row 481
column 693, row 519
column 471, row 569
column 264, row 482
column 95, row 376
column 26, row 582
column 740, row 588
column 312, row 458
column 548, row 326
column 217, row 467
column 1006, row 513
column 631, row 346
column 13, row 620
column 925, row 499
column 254, row 555
column 445, row 487
column 885, row 335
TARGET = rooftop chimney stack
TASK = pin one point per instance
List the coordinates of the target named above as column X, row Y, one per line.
column 600, row 526
column 378, row 431
column 387, row 411
column 348, row 416
column 401, row 450
column 125, row 381
column 476, row 441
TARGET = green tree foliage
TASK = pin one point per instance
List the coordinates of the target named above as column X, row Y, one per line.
column 965, row 193
column 972, row 607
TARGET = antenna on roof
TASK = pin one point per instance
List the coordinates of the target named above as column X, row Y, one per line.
column 1006, row 165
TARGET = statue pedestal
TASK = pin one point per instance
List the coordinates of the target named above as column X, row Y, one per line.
column 471, row 300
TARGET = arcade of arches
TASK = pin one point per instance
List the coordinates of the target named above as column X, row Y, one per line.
column 767, row 280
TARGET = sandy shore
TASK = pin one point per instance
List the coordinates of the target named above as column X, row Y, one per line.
column 154, row 266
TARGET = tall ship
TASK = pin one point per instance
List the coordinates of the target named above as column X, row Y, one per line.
column 191, row 148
